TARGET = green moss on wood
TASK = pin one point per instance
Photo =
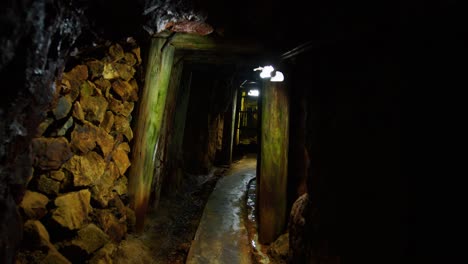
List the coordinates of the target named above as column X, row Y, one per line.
column 274, row 161
column 149, row 124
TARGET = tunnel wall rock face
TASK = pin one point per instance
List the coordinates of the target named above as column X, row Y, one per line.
column 35, row 39
column 77, row 193
column 355, row 201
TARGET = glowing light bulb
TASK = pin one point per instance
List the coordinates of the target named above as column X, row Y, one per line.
column 253, row 92
column 279, row 77
column 266, row 72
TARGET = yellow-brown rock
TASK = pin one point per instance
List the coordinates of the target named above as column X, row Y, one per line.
column 54, row 257
column 114, row 70
column 83, row 138
column 89, row 239
column 120, row 186
column 80, row 73
column 65, row 86
column 105, row 141
column 110, row 224
column 43, row 126
column 57, row 175
column 103, row 84
column 125, row 71
column 108, row 121
column 134, row 95
column 136, row 51
column 36, row 234
column 75, row 79
column 47, row 185
column 95, row 68
column 120, row 157
column 121, row 108
column 34, row 204
column 72, row 209
column 85, row 169
column 101, row 191
column 94, row 108
column 125, row 147
column 116, row 52
column 122, row 125
column 110, row 72
column 78, row 111
column 123, row 89
column 130, row 59
column 87, row 89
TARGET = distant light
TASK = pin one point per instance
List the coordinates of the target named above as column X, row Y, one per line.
column 279, row 77
column 258, row 69
column 266, row 72
column 253, row 92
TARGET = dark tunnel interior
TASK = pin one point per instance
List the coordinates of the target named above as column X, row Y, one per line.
column 120, row 121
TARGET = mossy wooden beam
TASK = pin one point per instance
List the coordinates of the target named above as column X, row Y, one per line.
column 176, row 173
column 272, row 181
column 148, row 127
column 213, row 43
column 169, row 153
column 232, row 128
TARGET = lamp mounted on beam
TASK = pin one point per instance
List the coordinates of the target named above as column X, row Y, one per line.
column 271, row 73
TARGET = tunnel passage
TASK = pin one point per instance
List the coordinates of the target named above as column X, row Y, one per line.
column 211, row 100
column 342, row 76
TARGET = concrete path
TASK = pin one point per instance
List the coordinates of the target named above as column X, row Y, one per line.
column 222, row 236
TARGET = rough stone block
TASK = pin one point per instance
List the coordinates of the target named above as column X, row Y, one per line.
column 72, row 209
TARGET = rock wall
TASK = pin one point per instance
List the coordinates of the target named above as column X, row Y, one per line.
column 76, row 199
column 355, row 204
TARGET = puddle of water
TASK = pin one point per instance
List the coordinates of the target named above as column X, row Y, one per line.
column 258, row 252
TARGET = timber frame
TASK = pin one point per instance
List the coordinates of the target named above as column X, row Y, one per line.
column 166, row 52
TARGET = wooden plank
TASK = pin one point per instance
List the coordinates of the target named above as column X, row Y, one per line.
column 272, row 181
column 233, row 122
column 148, row 127
column 168, row 151
column 185, row 41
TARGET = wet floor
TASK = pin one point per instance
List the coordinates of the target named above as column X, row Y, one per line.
column 222, row 236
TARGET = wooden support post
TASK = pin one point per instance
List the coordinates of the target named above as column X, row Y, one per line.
column 164, row 154
column 228, row 131
column 148, row 127
column 171, row 127
column 272, row 181
column 233, row 124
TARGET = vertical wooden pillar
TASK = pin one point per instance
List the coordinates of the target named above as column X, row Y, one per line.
column 166, row 156
column 272, row 184
column 228, row 131
column 236, row 118
column 177, row 138
column 148, row 127
column 233, row 124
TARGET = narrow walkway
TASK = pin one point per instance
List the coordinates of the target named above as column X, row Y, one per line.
column 222, row 236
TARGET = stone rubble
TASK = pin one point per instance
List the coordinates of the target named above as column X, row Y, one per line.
column 80, row 163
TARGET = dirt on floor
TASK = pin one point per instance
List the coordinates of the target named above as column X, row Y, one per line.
column 170, row 228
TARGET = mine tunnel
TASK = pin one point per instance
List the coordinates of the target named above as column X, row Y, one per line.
column 157, row 131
